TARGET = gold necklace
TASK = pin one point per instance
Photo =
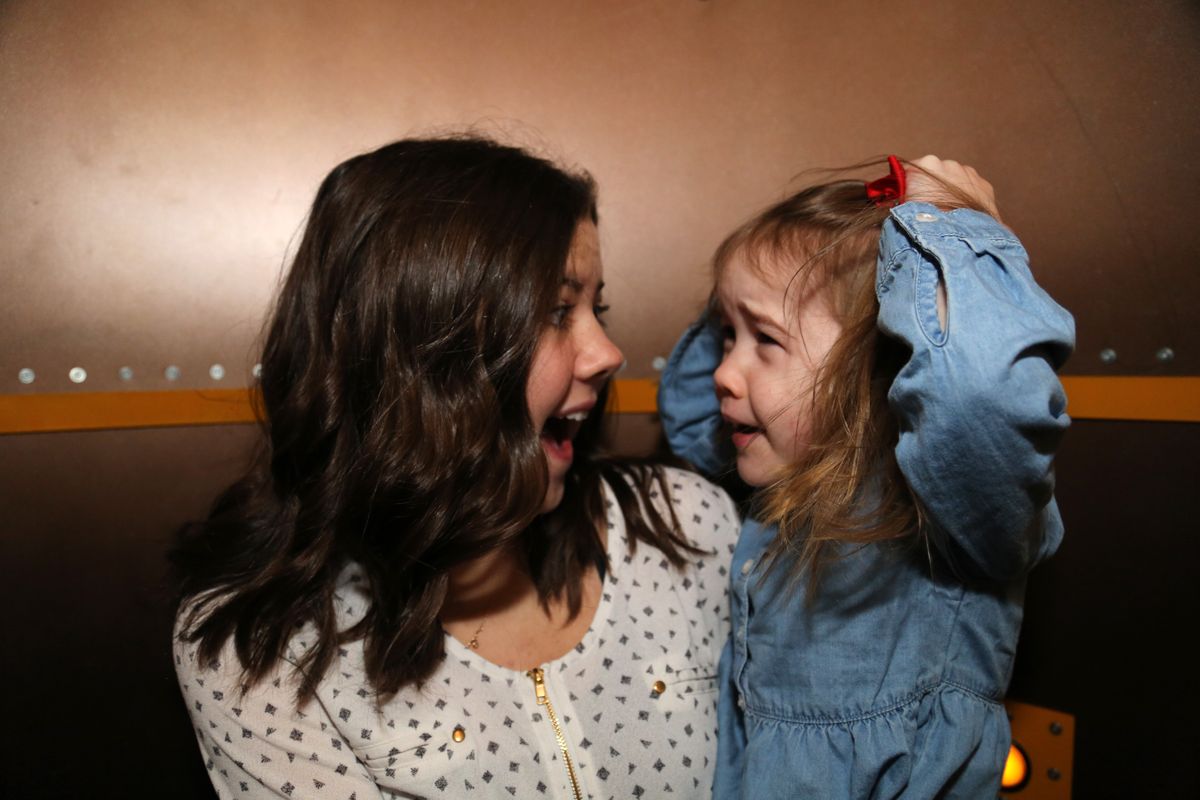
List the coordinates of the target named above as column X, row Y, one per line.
column 473, row 644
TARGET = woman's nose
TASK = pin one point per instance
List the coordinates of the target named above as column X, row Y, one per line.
column 601, row 358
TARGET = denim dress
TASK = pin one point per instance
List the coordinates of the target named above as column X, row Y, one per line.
column 889, row 684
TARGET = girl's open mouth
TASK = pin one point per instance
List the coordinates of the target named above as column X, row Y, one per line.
column 743, row 435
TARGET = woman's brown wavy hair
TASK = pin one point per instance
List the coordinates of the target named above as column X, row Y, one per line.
column 396, row 434
column 845, row 489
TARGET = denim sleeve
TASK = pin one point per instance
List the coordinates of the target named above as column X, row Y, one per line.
column 980, row 408
column 687, row 399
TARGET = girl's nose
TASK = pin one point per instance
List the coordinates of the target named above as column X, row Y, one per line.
column 728, row 379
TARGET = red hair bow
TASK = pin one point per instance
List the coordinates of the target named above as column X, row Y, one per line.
column 888, row 190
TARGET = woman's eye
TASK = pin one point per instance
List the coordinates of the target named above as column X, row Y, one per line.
column 599, row 310
column 560, row 315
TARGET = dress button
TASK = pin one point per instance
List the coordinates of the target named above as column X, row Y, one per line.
column 741, row 702
column 747, row 565
column 459, row 734
column 659, row 687
column 925, row 216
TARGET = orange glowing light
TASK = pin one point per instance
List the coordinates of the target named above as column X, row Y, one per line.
column 1016, row 769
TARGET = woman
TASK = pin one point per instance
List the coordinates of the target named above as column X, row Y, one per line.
column 429, row 584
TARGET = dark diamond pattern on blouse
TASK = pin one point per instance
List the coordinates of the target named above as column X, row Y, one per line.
column 627, row 740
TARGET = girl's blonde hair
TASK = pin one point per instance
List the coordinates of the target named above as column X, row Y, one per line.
column 845, row 489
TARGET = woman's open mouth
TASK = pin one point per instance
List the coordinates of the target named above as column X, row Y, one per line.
column 558, row 432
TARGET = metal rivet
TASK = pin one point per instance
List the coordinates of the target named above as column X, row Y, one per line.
column 26, row 376
column 1056, row 729
column 1108, row 355
column 77, row 374
column 659, row 687
column 1053, row 774
column 925, row 216
column 747, row 565
column 172, row 373
column 1165, row 354
column 256, row 370
column 459, row 734
column 659, row 363
column 125, row 373
column 216, row 372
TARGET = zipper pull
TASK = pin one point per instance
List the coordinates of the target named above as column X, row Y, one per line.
column 539, row 685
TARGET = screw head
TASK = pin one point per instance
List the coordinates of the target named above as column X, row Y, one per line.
column 1165, row 355
column 1056, row 728
column 77, row 374
column 659, row 363
column 1053, row 774
column 26, row 376
column 256, row 370
column 216, row 372
column 172, row 373
column 125, row 373
column 1108, row 355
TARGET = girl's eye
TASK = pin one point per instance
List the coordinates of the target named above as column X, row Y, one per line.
column 727, row 337
column 599, row 310
column 763, row 338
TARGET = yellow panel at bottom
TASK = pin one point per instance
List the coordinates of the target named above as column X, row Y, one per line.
column 1046, row 740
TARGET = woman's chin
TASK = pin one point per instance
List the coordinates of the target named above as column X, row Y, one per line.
column 554, row 495
column 559, row 457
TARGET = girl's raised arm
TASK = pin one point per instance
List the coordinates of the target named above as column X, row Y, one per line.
column 980, row 407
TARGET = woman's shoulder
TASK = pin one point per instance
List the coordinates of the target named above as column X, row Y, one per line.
column 258, row 741
column 225, row 673
column 706, row 514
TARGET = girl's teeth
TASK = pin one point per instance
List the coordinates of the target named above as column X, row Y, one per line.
column 578, row 416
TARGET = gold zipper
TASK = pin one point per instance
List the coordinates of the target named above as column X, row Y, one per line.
column 539, row 687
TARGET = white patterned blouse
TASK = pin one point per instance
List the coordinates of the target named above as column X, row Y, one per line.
column 630, row 712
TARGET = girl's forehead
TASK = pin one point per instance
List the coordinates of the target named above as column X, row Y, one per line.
column 748, row 272
column 773, row 286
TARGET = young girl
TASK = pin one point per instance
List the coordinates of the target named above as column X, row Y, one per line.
column 885, row 373
column 430, row 585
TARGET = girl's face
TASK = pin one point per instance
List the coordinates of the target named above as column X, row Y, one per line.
column 772, row 353
column 572, row 361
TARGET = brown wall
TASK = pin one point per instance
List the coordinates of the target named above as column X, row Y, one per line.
column 157, row 158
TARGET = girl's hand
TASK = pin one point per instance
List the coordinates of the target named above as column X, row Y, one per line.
column 949, row 183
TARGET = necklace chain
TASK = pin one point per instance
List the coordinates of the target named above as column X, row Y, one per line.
column 473, row 644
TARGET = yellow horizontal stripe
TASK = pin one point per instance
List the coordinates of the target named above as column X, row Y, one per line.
column 87, row 411
column 1131, row 398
